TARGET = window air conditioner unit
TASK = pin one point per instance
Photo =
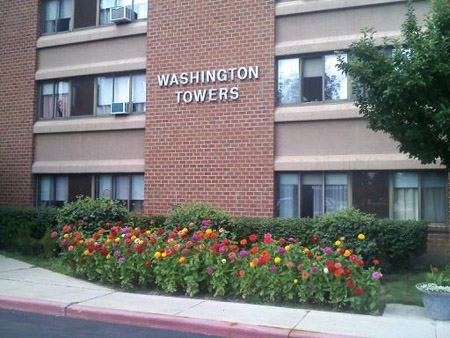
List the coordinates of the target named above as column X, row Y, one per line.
column 120, row 15
column 119, row 108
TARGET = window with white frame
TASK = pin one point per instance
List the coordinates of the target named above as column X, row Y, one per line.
column 408, row 195
column 139, row 7
column 54, row 100
column 127, row 189
column 56, row 15
column 310, row 79
column 67, row 15
column 51, row 190
column 55, row 190
column 78, row 96
column 125, row 91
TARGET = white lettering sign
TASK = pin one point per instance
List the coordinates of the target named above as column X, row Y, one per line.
column 208, row 77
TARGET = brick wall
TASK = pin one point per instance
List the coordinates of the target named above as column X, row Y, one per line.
column 215, row 152
column 18, row 27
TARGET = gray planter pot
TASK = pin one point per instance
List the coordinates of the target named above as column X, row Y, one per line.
column 436, row 304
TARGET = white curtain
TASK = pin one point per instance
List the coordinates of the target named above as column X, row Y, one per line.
column 105, row 6
column 433, row 199
column 138, row 92
column 336, row 193
column 140, row 7
column 406, row 203
column 61, row 188
column 65, row 9
column 45, row 184
column 104, row 188
column 317, row 200
column 104, row 95
column 122, row 188
column 287, row 203
column 121, row 89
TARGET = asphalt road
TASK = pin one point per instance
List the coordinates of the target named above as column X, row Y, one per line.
column 17, row 324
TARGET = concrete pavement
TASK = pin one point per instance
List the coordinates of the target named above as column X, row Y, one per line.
column 28, row 288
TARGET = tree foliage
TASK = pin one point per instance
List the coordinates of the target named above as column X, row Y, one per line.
column 403, row 86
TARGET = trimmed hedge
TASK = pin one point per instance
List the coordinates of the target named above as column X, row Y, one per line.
column 25, row 229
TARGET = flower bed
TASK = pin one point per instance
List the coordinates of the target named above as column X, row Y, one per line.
column 198, row 259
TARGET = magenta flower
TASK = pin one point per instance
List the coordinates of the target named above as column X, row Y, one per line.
column 327, row 250
column 314, row 269
column 209, row 270
column 222, row 249
column 376, row 275
column 121, row 260
column 281, row 250
column 273, row 268
column 243, row 253
column 300, row 267
column 117, row 253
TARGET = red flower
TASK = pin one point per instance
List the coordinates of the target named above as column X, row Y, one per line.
column 350, row 283
column 358, row 291
column 252, row 238
column 147, row 263
column 314, row 239
column 375, row 262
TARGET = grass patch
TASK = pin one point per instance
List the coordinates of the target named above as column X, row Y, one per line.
column 400, row 288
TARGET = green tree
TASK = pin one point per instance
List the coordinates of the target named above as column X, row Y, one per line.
column 403, row 86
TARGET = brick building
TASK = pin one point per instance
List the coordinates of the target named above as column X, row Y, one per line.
column 233, row 103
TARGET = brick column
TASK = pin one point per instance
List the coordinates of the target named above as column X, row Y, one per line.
column 220, row 150
column 19, row 31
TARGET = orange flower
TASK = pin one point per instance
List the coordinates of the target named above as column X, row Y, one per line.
column 182, row 260
column 243, row 242
column 254, row 250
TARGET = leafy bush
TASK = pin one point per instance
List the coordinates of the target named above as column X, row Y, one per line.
column 301, row 229
column 145, row 221
column 22, row 229
column 399, row 241
column 344, row 224
column 195, row 214
column 92, row 214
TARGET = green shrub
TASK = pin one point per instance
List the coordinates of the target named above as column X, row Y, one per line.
column 400, row 241
column 23, row 228
column 301, row 229
column 344, row 224
column 146, row 221
column 197, row 213
column 92, row 214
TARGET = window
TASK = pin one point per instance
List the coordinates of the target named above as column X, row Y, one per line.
column 54, row 100
column 78, row 96
column 127, row 189
column 399, row 195
column 66, row 15
column 311, row 79
column 55, row 190
column 371, row 192
column 139, row 7
column 128, row 91
column 51, row 190
column 56, row 15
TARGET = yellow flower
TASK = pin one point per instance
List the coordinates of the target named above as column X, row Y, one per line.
column 81, row 241
column 288, row 247
column 86, row 252
column 338, row 243
column 133, row 238
column 361, row 237
column 185, row 230
column 252, row 265
column 117, row 239
column 163, row 255
column 109, row 240
column 108, row 256
column 157, row 254
column 208, row 231
column 305, row 250
column 347, row 253
column 295, row 281
column 277, row 260
column 66, row 236
column 148, row 232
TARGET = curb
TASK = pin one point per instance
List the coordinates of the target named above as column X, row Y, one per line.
column 168, row 322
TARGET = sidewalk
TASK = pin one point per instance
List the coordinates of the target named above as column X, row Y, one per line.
column 28, row 288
